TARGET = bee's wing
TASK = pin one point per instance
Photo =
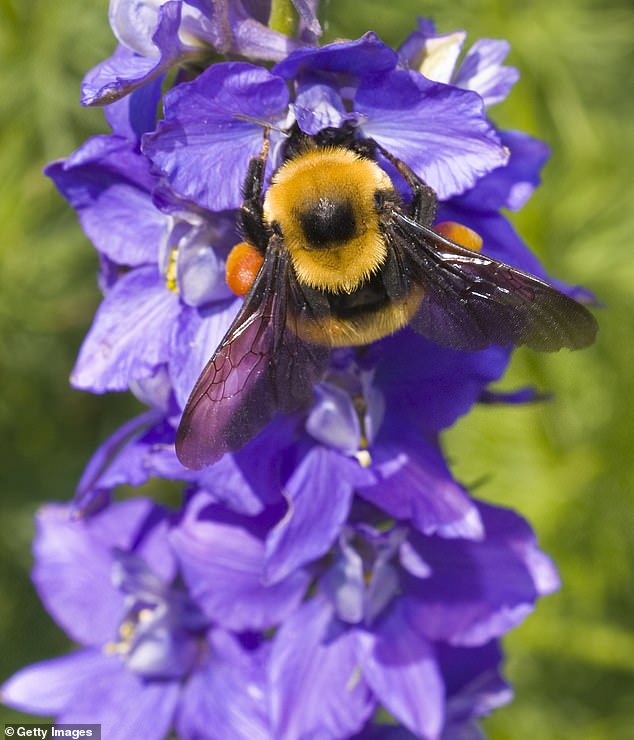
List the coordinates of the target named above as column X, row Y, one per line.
column 260, row 367
column 471, row 301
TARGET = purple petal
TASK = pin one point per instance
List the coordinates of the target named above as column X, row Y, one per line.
column 166, row 38
column 411, row 481
column 117, row 76
column 125, row 70
column 254, row 476
column 201, row 265
column 155, row 391
column 228, row 694
column 122, row 526
column 433, row 55
column 438, row 130
column 124, row 704
column 160, row 461
column 401, row 669
column 135, row 114
column 318, row 107
column 138, row 525
column 381, row 731
column 115, row 462
column 124, row 224
column 130, row 334
column 109, row 185
column 506, row 525
column 222, row 558
column 473, row 684
column 333, row 420
column 69, row 570
column 512, row 185
column 317, row 689
column 483, row 72
column 117, row 156
column 73, row 564
column 145, row 456
column 479, row 591
column 134, row 22
column 431, row 386
column 344, row 584
column 236, row 28
column 257, row 41
column 229, row 482
column 89, row 687
column 318, row 495
column 364, row 56
column 212, row 129
column 50, row 687
column 412, row 561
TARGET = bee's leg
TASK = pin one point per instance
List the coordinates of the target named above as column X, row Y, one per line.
column 424, row 201
column 251, row 213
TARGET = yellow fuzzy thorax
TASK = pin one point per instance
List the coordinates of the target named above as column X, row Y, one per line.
column 339, row 175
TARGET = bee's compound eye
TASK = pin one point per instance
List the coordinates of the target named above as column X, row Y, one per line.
column 460, row 234
column 243, row 264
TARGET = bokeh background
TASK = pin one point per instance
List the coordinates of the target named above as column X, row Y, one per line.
column 566, row 465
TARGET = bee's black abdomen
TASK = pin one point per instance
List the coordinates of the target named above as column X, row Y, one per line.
column 328, row 222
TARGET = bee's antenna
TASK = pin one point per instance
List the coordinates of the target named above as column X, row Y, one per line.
column 265, row 124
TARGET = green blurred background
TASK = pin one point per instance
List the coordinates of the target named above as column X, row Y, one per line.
column 566, row 465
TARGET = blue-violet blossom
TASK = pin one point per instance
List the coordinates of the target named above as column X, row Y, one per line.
column 331, row 579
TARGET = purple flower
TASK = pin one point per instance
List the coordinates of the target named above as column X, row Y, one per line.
column 332, row 572
column 311, row 462
column 155, row 35
column 213, row 125
column 473, row 686
column 392, row 618
column 161, row 319
column 170, row 311
column 160, row 257
column 508, row 186
column 390, row 609
column 144, row 330
column 149, row 658
column 223, row 559
column 436, row 55
column 372, row 428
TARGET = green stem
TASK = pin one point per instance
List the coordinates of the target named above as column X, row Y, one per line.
column 283, row 17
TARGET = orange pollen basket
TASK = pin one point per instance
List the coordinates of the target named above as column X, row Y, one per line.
column 243, row 264
column 460, row 234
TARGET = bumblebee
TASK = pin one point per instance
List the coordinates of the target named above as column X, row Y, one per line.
column 338, row 258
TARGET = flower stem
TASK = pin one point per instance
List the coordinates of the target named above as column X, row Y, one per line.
column 283, row 17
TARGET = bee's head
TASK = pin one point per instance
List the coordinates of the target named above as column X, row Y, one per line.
column 323, row 202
